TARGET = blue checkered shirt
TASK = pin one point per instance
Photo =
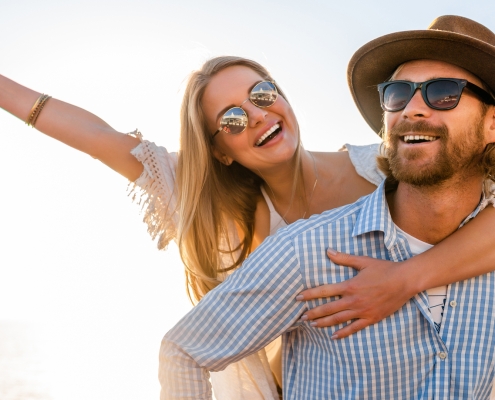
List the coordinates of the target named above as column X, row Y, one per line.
column 401, row 357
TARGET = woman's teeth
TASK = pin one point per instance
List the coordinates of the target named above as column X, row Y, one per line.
column 416, row 138
column 267, row 133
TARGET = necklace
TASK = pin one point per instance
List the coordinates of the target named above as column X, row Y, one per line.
column 315, row 170
column 312, row 192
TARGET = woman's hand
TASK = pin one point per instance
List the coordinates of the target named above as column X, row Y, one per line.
column 380, row 289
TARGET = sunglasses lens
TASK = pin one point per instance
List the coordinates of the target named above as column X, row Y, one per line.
column 234, row 121
column 264, row 94
column 396, row 96
column 443, row 95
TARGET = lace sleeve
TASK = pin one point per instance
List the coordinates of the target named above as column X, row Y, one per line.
column 364, row 160
column 155, row 190
column 489, row 191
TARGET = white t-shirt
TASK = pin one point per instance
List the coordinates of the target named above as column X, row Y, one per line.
column 436, row 296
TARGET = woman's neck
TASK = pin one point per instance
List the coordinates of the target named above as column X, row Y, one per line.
column 290, row 197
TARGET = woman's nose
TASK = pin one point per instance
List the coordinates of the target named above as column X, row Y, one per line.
column 256, row 115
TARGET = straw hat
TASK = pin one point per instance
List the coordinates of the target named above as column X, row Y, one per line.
column 453, row 39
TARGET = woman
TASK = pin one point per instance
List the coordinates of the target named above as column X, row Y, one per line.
column 241, row 174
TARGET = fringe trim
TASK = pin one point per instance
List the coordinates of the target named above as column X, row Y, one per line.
column 155, row 191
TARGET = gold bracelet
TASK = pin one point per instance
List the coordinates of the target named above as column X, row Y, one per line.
column 33, row 110
column 40, row 107
column 40, row 103
column 36, row 110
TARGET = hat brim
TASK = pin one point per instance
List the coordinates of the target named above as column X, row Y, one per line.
column 376, row 61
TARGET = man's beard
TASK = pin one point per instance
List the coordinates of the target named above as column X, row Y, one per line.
column 456, row 155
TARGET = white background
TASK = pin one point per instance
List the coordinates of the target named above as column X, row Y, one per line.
column 75, row 260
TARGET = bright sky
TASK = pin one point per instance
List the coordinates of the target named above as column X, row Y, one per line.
column 75, row 256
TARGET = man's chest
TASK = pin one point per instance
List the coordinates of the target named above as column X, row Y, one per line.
column 383, row 357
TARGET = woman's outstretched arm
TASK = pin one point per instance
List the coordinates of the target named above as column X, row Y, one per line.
column 382, row 287
column 75, row 127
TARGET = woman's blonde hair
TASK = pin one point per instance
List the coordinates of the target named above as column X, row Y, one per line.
column 212, row 196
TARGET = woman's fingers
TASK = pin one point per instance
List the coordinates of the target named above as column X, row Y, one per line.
column 353, row 327
column 329, row 290
column 334, row 319
column 348, row 260
column 336, row 289
column 337, row 318
column 327, row 309
column 370, row 296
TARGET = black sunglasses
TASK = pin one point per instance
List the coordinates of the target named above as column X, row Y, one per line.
column 439, row 94
column 235, row 120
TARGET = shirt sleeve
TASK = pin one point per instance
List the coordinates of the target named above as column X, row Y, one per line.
column 155, row 190
column 364, row 160
column 255, row 305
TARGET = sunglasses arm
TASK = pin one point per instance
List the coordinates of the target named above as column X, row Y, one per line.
column 481, row 93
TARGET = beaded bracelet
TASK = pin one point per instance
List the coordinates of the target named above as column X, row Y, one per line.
column 36, row 110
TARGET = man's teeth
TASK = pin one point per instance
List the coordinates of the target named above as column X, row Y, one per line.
column 267, row 133
column 410, row 138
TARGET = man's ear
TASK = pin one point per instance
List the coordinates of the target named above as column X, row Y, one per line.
column 222, row 157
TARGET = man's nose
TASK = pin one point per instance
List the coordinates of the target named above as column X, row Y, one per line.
column 417, row 107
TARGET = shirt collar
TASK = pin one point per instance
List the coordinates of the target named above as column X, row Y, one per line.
column 375, row 216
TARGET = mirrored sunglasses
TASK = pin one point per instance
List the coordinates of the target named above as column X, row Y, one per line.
column 235, row 119
column 438, row 94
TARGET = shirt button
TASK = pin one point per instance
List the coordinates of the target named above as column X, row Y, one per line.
column 442, row 355
column 453, row 303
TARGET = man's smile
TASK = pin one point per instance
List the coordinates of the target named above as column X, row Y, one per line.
column 413, row 139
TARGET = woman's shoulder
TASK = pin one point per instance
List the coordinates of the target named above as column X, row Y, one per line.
column 352, row 159
column 362, row 153
column 363, row 158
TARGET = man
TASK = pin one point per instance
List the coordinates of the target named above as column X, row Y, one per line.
column 439, row 131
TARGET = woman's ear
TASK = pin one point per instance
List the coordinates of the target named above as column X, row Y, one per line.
column 491, row 122
column 222, row 157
